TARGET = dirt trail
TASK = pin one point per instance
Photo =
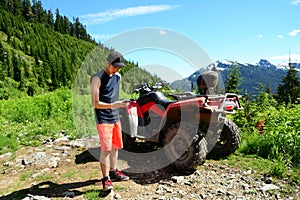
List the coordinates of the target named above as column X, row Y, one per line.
column 64, row 169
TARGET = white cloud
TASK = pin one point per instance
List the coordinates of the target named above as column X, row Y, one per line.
column 295, row 2
column 285, row 58
column 294, row 33
column 260, row 36
column 101, row 37
column 280, row 36
column 109, row 15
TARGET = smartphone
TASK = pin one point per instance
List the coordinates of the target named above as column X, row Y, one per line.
column 125, row 100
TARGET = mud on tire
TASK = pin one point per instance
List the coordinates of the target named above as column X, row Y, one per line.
column 183, row 148
column 228, row 141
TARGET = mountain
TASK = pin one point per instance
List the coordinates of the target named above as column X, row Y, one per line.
column 265, row 63
column 264, row 72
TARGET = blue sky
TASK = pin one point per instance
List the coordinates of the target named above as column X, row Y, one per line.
column 238, row 30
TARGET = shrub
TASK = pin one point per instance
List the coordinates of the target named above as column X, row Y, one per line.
column 32, row 120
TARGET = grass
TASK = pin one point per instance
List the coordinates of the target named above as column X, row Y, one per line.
column 93, row 194
column 43, row 177
column 261, row 166
column 246, row 162
column 70, row 174
column 96, row 194
column 27, row 174
column 118, row 188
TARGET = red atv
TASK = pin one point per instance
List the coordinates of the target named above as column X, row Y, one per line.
column 186, row 128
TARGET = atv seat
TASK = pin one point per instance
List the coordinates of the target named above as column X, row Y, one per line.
column 183, row 96
column 157, row 97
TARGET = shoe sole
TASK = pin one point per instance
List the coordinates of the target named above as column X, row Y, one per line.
column 108, row 188
column 115, row 179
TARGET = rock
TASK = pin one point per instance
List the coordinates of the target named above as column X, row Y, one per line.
column 70, row 194
column 76, row 143
column 268, row 180
column 181, row 180
column 62, row 139
column 117, row 196
column 35, row 197
column 6, row 155
column 268, row 187
column 162, row 198
column 241, row 198
column 220, row 191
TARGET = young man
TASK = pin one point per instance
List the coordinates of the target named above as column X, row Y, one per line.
column 105, row 94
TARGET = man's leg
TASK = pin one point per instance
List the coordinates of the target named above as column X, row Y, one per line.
column 113, row 158
column 105, row 136
column 114, row 173
column 117, row 143
column 105, row 166
column 105, row 162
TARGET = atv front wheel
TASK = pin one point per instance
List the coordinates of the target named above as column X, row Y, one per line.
column 128, row 141
column 183, row 148
column 228, row 142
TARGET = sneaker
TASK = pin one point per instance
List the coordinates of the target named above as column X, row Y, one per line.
column 118, row 175
column 107, row 184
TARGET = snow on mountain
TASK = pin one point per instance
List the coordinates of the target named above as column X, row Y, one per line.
column 265, row 63
column 296, row 65
column 283, row 66
column 224, row 64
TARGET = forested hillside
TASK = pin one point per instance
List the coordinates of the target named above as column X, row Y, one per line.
column 41, row 53
column 36, row 58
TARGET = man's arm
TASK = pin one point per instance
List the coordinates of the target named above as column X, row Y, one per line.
column 95, row 85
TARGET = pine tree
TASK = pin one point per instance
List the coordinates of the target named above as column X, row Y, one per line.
column 1, row 52
column 35, row 11
column 77, row 28
column 66, row 26
column 16, row 68
column 27, row 12
column 234, row 80
column 50, row 21
column 289, row 90
column 58, row 22
column 41, row 13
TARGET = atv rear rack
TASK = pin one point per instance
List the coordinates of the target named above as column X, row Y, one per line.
column 229, row 102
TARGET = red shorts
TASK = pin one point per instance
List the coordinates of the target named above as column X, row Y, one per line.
column 110, row 136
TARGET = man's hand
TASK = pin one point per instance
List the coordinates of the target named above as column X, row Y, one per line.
column 119, row 104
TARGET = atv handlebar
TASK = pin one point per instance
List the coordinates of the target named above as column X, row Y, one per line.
column 146, row 88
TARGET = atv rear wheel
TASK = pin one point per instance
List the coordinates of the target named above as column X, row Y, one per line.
column 187, row 151
column 228, row 141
